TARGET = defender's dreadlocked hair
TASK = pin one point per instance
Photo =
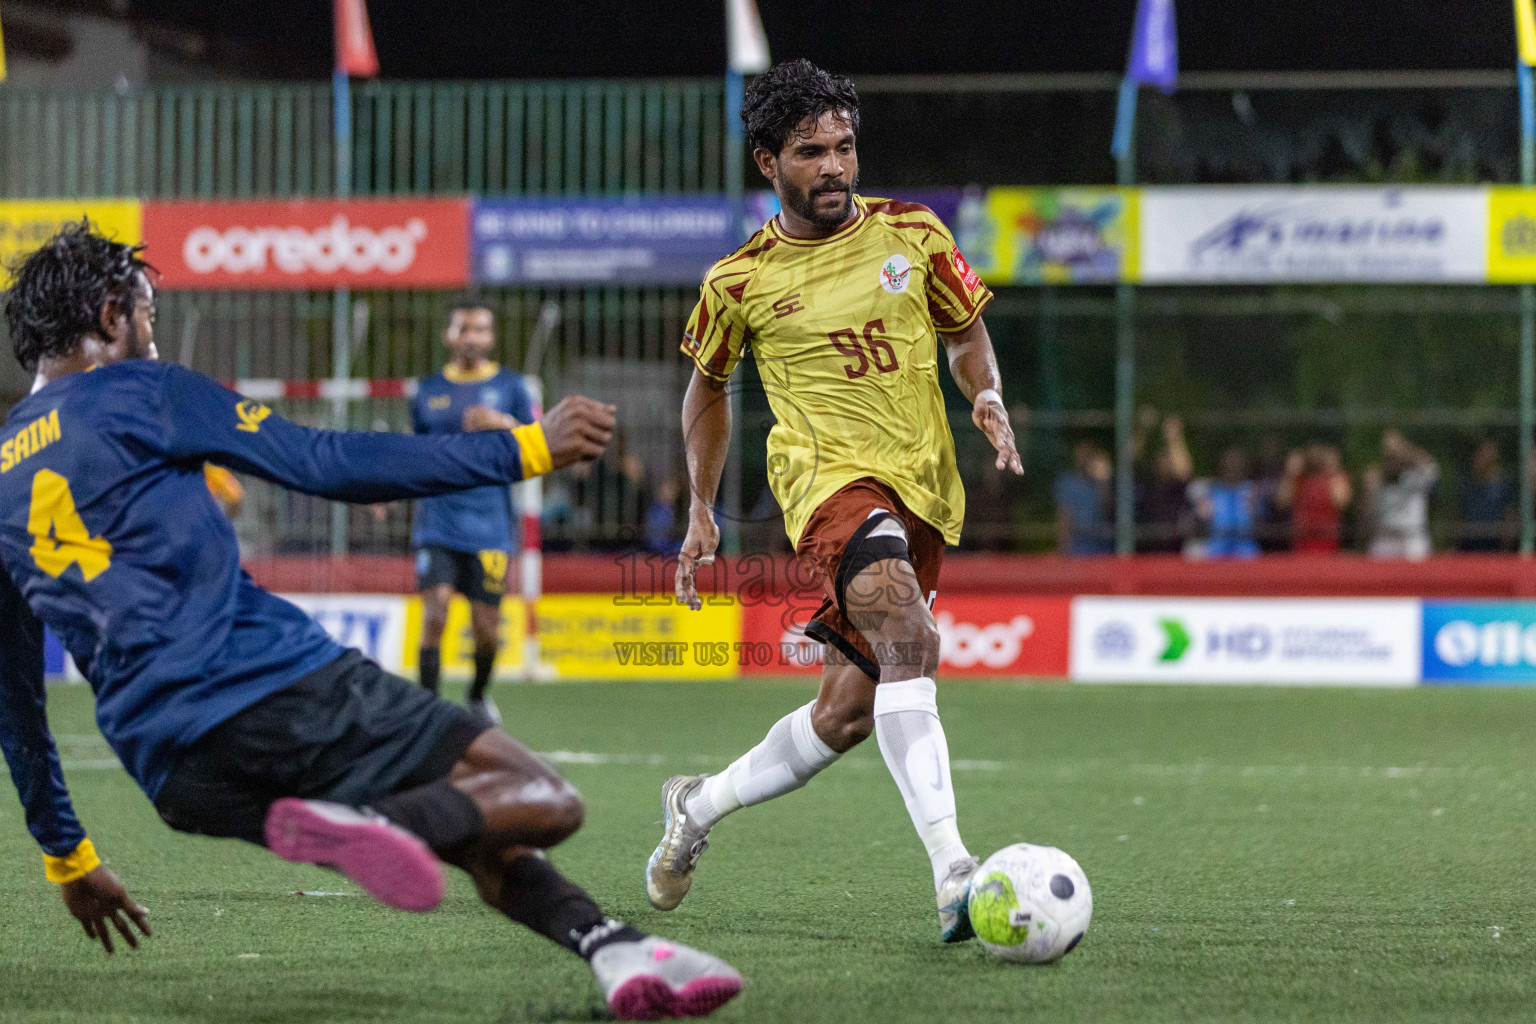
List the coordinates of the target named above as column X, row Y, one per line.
column 60, row 290
column 777, row 102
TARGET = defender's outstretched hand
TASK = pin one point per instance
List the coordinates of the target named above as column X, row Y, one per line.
column 992, row 419
column 577, row 430
column 97, row 898
column 698, row 549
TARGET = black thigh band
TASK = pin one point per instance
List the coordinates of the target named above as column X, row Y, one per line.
column 864, row 551
column 818, row 630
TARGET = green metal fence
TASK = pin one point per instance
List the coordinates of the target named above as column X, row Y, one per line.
column 249, row 141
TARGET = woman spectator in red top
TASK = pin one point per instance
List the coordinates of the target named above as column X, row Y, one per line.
column 1316, row 490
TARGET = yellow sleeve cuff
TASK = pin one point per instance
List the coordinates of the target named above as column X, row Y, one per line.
column 77, row 865
column 535, row 449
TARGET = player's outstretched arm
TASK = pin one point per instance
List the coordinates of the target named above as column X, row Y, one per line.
column 706, row 439
column 91, row 892
column 201, row 420
column 973, row 364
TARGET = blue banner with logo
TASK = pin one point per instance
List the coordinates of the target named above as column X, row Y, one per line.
column 1480, row 642
column 652, row 240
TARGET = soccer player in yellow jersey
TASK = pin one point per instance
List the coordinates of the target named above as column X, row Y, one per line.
column 844, row 301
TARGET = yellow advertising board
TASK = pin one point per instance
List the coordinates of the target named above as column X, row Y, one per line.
column 25, row 224
column 1056, row 236
column 594, row 636
column 1511, row 235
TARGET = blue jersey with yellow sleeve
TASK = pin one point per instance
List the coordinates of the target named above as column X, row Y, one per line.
column 109, row 533
column 479, row 519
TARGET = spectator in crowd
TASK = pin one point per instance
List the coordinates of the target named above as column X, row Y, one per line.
column 1083, row 521
column 1397, row 498
column 1316, row 491
column 1486, row 500
column 1162, row 490
column 1272, row 522
column 1227, row 506
column 661, row 519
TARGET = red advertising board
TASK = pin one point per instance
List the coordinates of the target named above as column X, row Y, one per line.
column 980, row 635
column 362, row 243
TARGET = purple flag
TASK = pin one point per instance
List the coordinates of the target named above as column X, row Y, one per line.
column 1154, row 46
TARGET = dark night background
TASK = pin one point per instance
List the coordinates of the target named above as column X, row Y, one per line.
column 473, row 38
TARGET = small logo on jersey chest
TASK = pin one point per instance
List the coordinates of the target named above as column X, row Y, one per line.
column 896, row 274
column 787, row 305
column 490, row 397
column 439, row 402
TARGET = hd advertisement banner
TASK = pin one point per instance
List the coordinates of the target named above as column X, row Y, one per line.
column 1344, row 641
column 639, row 241
column 1319, row 234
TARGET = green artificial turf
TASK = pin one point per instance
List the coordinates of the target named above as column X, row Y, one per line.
column 1255, row 854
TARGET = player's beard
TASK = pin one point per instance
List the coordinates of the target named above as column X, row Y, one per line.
column 802, row 203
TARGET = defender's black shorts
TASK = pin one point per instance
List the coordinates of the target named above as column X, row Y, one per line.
column 348, row 732
column 480, row 576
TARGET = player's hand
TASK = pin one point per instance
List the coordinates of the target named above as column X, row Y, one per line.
column 698, row 549
column 98, row 898
column 480, row 417
column 577, row 430
column 992, row 419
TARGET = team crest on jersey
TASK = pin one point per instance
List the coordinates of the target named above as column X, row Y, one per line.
column 968, row 277
column 896, row 274
column 489, row 397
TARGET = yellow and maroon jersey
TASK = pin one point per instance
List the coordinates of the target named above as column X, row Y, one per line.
column 845, row 333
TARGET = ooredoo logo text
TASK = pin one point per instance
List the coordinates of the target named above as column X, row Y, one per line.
column 337, row 246
column 390, row 243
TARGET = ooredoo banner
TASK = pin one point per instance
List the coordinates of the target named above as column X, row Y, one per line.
column 1340, row 641
column 364, row 243
column 1317, row 233
column 995, row 635
column 1480, row 642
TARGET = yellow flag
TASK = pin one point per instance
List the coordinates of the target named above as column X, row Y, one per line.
column 2, row 54
column 1525, row 31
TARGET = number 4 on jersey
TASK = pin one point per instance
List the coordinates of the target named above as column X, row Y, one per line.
column 59, row 537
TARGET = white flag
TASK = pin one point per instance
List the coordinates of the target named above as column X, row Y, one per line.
column 745, row 41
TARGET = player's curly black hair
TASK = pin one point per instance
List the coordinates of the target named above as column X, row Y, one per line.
column 59, row 291
column 778, row 101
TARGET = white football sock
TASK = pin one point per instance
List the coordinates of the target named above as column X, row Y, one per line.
column 787, row 758
column 912, row 742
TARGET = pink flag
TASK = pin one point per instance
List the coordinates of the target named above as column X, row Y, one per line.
column 355, row 54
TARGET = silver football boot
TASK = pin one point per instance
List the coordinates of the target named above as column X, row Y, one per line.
column 656, row 979
column 955, row 901
column 669, row 872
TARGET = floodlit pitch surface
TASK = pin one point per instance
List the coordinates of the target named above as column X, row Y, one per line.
column 1256, row 854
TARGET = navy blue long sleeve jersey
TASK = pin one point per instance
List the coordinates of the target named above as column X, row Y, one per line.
column 30, row 755
column 480, row 519
column 110, row 535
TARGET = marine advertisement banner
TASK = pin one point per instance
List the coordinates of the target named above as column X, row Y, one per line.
column 1241, row 234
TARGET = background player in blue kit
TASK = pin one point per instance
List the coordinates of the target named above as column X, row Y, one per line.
column 237, row 715
column 463, row 540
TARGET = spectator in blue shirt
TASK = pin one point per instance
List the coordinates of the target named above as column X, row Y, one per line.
column 1227, row 506
column 1486, row 499
column 1083, row 522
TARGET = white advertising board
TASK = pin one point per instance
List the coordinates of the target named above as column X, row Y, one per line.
column 1345, row 641
column 372, row 623
column 1313, row 234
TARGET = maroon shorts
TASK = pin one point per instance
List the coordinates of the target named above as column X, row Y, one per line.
column 832, row 541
